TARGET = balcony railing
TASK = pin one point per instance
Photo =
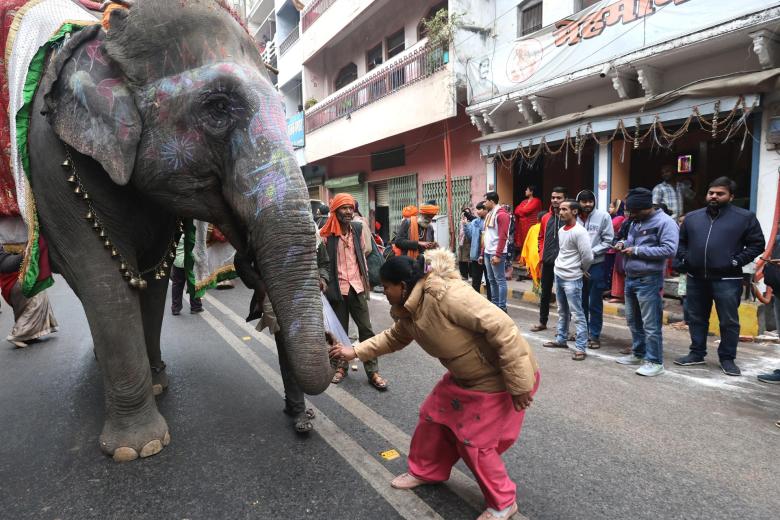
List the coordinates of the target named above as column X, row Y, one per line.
column 313, row 11
column 416, row 66
column 289, row 40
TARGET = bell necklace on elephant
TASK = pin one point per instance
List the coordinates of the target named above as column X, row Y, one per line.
column 133, row 276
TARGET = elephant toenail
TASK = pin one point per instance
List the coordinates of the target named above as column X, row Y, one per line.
column 167, row 439
column 157, row 389
column 152, row 448
column 125, row 454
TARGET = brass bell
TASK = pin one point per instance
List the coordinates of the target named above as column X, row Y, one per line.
column 165, row 265
column 122, row 267
column 96, row 225
column 127, row 275
column 114, row 252
column 157, row 276
column 89, row 215
column 102, row 233
column 72, row 179
column 141, row 284
column 107, row 244
column 66, row 163
column 86, row 196
column 77, row 191
column 134, row 282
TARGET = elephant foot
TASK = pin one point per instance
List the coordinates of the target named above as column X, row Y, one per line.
column 159, row 379
column 134, row 439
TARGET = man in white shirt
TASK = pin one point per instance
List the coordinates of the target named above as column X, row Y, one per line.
column 574, row 258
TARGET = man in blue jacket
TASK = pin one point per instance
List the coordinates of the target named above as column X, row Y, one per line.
column 715, row 242
column 652, row 240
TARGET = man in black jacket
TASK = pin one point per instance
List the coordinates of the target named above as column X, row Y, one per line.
column 548, row 249
column 715, row 242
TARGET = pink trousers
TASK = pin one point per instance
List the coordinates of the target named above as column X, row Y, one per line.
column 435, row 449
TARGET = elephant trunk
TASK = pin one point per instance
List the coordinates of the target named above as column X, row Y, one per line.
column 275, row 210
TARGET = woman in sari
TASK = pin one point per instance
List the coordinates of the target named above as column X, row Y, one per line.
column 475, row 412
column 33, row 317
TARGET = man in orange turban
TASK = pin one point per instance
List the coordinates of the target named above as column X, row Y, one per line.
column 416, row 234
column 348, row 287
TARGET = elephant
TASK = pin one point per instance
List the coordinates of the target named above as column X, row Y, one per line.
column 168, row 114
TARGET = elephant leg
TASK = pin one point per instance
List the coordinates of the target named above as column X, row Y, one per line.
column 152, row 311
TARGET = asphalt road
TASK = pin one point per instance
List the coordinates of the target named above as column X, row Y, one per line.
column 599, row 441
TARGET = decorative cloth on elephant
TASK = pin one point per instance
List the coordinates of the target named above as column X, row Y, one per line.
column 29, row 30
column 332, row 226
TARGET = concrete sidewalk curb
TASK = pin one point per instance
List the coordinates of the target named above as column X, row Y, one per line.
column 611, row 309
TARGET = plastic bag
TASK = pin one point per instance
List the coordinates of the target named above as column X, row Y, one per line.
column 332, row 323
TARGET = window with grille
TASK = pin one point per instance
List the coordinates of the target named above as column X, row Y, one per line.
column 346, row 75
column 396, row 44
column 530, row 19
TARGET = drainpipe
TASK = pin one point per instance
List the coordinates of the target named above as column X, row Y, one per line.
column 448, row 184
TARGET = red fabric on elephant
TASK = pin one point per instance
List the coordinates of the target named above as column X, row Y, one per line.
column 8, row 205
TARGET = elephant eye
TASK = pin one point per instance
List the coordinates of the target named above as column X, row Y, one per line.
column 218, row 111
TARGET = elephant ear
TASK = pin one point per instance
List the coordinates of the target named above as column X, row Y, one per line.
column 89, row 106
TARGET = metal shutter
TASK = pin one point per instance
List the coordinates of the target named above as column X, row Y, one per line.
column 382, row 194
column 461, row 194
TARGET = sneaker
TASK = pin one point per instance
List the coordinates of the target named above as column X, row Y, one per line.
column 175, row 312
column 689, row 360
column 631, row 359
column 729, row 367
column 649, row 369
column 594, row 343
column 772, row 379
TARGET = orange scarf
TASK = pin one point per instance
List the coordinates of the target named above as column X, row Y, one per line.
column 332, row 226
column 414, row 234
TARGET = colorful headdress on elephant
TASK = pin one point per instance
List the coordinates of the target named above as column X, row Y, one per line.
column 332, row 226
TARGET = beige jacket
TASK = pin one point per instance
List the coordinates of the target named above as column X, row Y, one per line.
column 475, row 340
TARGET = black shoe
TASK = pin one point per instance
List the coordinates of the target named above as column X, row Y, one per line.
column 729, row 367
column 772, row 379
column 196, row 310
column 689, row 360
column 175, row 312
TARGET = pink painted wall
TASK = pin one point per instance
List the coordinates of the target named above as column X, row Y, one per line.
column 424, row 156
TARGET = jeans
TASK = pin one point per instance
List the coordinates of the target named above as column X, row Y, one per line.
column 496, row 276
column 700, row 295
column 568, row 294
column 548, row 277
column 644, row 313
column 592, row 300
column 477, row 273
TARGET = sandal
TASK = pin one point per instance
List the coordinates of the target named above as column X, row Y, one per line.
column 302, row 422
column 339, row 376
column 578, row 356
column 538, row 327
column 377, row 381
column 406, row 481
column 554, row 344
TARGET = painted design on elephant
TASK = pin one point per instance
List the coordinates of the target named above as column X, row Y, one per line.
column 178, row 152
column 94, row 50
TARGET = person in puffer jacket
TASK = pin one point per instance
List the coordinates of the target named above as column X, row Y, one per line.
column 715, row 242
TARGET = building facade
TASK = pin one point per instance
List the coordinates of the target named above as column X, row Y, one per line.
column 602, row 94
column 370, row 99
